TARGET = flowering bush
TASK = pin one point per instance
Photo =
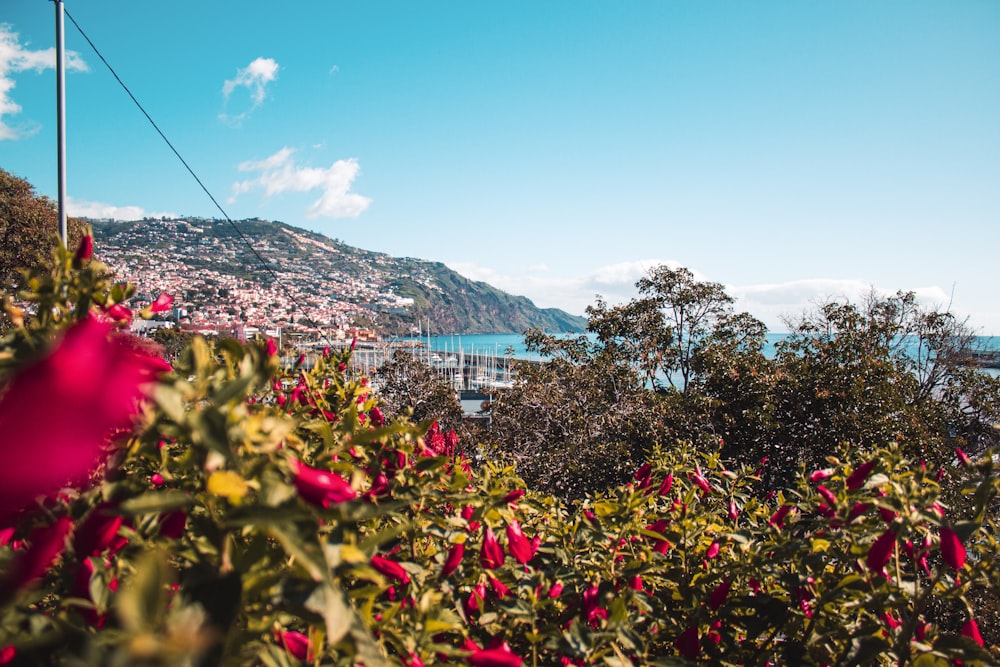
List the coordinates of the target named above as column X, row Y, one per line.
column 259, row 515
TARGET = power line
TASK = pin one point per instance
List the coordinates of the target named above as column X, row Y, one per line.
column 264, row 263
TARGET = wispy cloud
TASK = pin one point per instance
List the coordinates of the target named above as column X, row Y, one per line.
column 279, row 173
column 774, row 304
column 254, row 77
column 79, row 208
column 15, row 58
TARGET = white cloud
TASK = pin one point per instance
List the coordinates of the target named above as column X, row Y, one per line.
column 279, row 173
column 254, row 77
column 15, row 58
column 776, row 303
column 79, row 208
column 773, row 304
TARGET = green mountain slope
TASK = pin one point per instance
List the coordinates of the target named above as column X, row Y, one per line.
column 396, row 292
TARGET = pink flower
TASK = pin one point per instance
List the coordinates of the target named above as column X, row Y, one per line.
column 390, row 568
column 687, row 644
column 520, row 547
column 963, row 457
column 40, row 453
column 971, row 630
column 734, row 511
column 952, row 549
column 858, row 477
column 820, row 475
column 321, row 487
column 881, row 551
column 713, row 551
column 501, row 656
column 454, row 558
column 271, row 348
column 162, row 303
column 86, row 248
column 376, row 416
column 491, row 555
column 556, row 590
column 413, row 661
column 295, row 643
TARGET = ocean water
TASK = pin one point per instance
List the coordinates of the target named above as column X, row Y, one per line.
column 512, row 345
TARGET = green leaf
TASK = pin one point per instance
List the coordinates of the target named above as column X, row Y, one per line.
column 141, row 604
column 155, row 502
column 331, row 604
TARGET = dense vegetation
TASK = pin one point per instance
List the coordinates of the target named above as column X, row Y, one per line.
column 222, row 510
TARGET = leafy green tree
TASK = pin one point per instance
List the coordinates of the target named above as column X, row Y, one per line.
column 28, row 223
column 662, row 332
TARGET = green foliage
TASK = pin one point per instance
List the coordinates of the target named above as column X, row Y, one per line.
column 274, row 516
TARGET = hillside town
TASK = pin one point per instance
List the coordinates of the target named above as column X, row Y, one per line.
column 200, row 268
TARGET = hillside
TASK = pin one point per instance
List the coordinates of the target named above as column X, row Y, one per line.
column 321, row 279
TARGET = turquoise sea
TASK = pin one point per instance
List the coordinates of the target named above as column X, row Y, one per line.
column 512, row 345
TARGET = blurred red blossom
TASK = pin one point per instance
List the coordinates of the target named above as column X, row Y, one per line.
column 56, row 414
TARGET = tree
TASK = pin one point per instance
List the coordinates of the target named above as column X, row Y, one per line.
column 410, row 388
column 577, row 423
column 662, row 332
column 28, row 223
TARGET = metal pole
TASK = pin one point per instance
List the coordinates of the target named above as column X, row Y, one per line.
column 61, row 119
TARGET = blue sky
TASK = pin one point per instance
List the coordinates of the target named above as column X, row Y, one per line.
column 794, row 151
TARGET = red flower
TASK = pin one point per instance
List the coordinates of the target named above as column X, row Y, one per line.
column 591, row 605
column 734, row 511
column 971, row 630
column 321, row 487
column 172, row 524
column 413, row 661
column 295, row 643
column 272, row 348
column 97, row 531
column 520, row 547
column 778, row 518
column 827, row 494
column 952, row 549
column 719, row 595
column 120, row 313
column 46, row 543
column 95, row 379
column 700, row 480
column 713, row 551
column 491, row 555
column 513, row 496
column 642, row 475
column 162, row 303
column 858, row 477
column 390, row 568
column 86, row 248
column 556, row 590
column 687, row 644
column 881, row 551
column 499, row 587
column 454, row 558
column 665, row 485
column 501, row 656
column 376, row 416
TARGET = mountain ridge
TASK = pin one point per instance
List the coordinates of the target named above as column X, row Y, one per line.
column 328, row 281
